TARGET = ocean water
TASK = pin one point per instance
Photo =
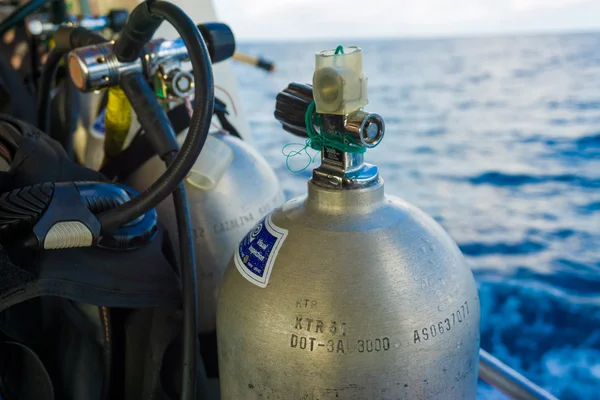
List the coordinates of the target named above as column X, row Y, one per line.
column 499, row 140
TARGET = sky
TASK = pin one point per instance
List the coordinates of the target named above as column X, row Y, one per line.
column 312, row 19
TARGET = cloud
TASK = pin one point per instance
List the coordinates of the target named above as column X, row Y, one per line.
column 522, row 5
column 285, row 19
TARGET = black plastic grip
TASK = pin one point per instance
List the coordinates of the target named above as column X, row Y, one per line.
column 291, row 106
column 22, row 208
column 219, row 40
column 137, row 32
column 150, row 113
column 100, row 197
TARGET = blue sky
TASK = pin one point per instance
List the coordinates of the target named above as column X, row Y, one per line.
column 309, row 19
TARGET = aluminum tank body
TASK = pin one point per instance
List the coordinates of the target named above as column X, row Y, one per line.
column 362, row 296
column 245, row 191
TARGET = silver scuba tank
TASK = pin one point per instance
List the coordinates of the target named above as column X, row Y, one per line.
column 89, row 134
column 346, row 293
column 229, row 189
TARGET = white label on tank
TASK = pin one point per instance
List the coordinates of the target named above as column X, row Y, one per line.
column 256, row 253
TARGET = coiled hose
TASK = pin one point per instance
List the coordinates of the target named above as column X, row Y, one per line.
column 143, row 20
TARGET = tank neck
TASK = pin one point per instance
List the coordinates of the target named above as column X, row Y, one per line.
column 333, row 200
column 341, row 170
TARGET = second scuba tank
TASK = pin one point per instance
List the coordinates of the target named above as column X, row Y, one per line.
column 346, row 293
column 229, row 189
column 89, row 135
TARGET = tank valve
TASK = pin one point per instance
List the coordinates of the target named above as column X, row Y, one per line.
column 97, row 67
column 172, row 82
column 334, row 104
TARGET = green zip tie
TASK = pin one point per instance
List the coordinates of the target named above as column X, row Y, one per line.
column 293, row 153
column 337, row 140
column 318, row 140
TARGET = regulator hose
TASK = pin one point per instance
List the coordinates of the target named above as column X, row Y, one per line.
column 155, row 122
column 45, row 88
column 59, row 11
column 191, row 348
column 138, row 30
column 199, row 125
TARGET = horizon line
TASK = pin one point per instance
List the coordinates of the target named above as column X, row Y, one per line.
column 432, row 36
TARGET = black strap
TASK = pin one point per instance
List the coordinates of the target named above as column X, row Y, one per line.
column 12, row 275
column 140, row 150
column 221, row 113
column 136, row 278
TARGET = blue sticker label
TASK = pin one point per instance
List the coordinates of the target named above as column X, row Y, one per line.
column 99, row 122
column 257, row 251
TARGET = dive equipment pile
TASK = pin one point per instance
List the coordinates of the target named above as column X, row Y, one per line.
column 120, row 212
column 55, row 209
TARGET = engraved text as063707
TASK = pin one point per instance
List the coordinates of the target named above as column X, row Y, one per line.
column 443, row 326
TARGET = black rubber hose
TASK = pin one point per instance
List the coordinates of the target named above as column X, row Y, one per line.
column 199, row 126
column 141, row 25
column 35, row 60
column 151, row 115
column 59, row 12
column 71, row 99
column 45, row 87
column 191, row 348
column 161, row 135
column 18, row 16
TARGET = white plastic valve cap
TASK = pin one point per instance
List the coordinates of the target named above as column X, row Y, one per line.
column 211, row 165
column 339, row 83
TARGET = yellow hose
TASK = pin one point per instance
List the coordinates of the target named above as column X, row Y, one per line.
column 116, row 122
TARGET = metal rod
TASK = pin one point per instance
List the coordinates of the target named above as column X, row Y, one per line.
column 509, row 381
